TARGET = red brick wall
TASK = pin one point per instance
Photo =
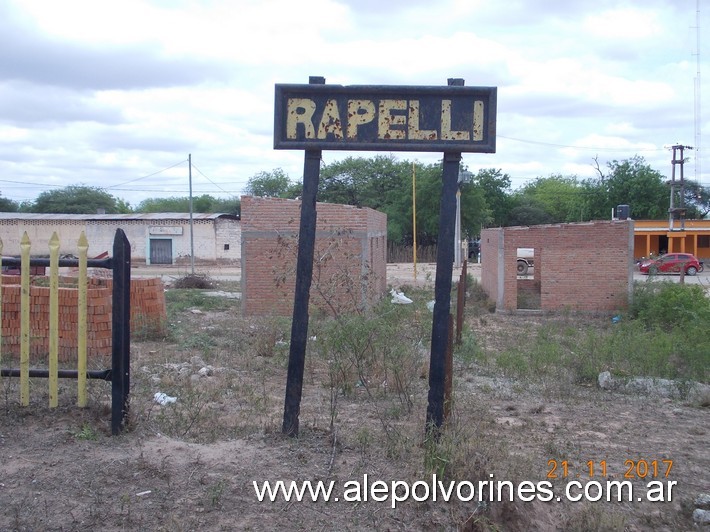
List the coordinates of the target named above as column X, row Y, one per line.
column 582, row 266
column 349, row 270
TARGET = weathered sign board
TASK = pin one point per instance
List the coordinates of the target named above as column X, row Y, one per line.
column 451, row 119
column 385, row 117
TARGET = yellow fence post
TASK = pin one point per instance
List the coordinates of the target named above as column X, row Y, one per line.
column 25, row 320
column 82, row 325
column 54, row 320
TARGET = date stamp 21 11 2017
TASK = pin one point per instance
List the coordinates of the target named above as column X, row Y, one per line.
column 633, row 469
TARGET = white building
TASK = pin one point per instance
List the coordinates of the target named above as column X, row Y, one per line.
column 156, row 238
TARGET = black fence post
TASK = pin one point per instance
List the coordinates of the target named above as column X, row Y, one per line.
column 121, row 332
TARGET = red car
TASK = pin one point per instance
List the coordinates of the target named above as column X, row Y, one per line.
column 671, row 263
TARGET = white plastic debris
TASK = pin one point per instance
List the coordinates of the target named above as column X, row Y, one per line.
column 430, row 305
column 399, row 298
column 163, row 399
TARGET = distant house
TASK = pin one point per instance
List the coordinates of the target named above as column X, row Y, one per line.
column 156, row 238
column 656, row 236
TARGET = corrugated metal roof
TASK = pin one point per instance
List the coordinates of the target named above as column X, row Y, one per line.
column 106, row 217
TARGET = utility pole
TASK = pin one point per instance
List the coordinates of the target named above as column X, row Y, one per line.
column 677, row 212
column 464, row 177
column 192, row 234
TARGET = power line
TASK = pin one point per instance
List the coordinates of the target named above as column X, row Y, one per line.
column 577, row 147
column 26, row 184
column 208, row 179
column 149, row 175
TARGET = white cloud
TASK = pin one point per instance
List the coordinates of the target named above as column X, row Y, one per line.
column 107, row 93
column 625, row 24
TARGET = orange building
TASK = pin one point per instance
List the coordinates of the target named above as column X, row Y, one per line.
column 655, row 236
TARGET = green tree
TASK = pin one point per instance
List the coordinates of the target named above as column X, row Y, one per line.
column 228, row 205
column 429, row 187
column 8, row 205
column 373, row 182
column 528, row 211
column 385, row 183
column 595, row 199
column 171, row 204
column 630, row 182
column 274, row 184
column 123, row 207
column 380, row 182
column 474, row 212
column 635, row 183
column 76, row 199
column 495, row 186
column 294, row 190
column 562, row 198
column 697, row 199
column 204, row 203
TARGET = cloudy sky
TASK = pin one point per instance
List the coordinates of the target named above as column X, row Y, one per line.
column 117, row 94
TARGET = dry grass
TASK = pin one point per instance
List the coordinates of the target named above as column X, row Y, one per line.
column 190, row 465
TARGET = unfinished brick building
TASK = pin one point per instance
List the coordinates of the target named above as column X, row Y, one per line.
column 577, row 266
column 349, row 265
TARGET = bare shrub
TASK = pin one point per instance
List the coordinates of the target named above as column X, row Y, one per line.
column 194, row 280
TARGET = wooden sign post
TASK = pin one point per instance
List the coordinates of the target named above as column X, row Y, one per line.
column 450, row 119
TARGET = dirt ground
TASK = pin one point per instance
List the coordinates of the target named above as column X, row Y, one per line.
column 61, row 470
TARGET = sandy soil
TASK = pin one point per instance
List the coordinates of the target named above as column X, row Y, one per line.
column 61, row 470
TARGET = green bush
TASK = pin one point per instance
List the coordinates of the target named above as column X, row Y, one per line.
column 380, row 351
column 668, row 305
column 665, row 334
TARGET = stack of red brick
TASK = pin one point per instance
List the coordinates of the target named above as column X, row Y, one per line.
column 147, row 310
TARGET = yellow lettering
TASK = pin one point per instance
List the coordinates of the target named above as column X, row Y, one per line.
column 478, row 120
column 414, row 132
column 330, row 122
column 300, row 111
column 359, row 112
column 396, row 119
column 446, row 132
column 386, row 120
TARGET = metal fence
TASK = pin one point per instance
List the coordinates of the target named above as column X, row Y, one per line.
column 119, row 372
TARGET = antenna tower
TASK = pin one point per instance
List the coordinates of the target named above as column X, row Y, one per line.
column 698, row 114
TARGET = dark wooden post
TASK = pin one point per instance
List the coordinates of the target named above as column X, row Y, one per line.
column 442, row 291
column 121, row 331
column 304, row 275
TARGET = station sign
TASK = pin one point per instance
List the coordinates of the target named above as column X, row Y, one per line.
column 385, row 118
